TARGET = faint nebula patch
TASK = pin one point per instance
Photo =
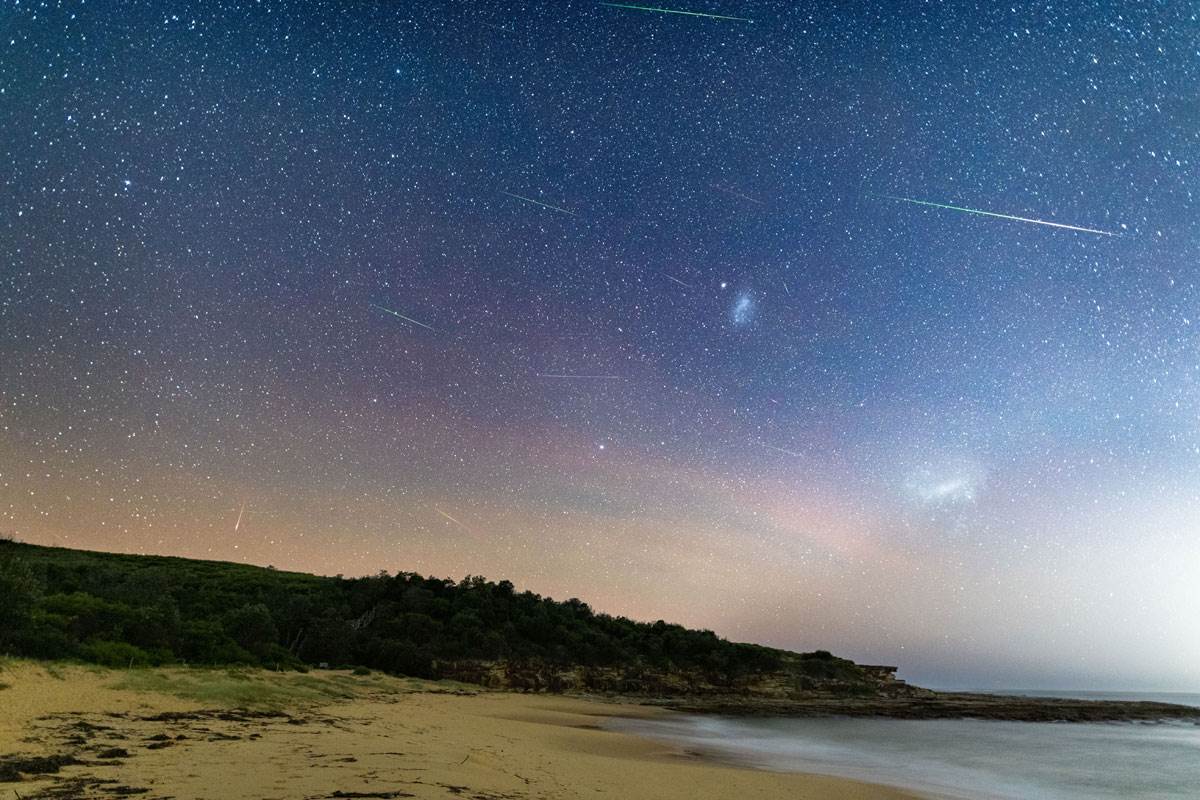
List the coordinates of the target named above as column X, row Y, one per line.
column 947, row 486
column 744, row 310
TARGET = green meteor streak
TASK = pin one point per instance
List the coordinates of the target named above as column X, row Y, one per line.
column 401, row 316
column 537, row 203
column 1001, row 216
column 674, row 11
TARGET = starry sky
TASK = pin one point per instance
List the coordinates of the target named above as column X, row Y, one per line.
column 627, row 305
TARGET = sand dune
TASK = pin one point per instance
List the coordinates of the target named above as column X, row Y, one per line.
column 177, row 733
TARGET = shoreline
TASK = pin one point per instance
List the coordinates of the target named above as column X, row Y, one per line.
column 884, row 791
column 175, row 733
column 929, row 705
column 950, row 758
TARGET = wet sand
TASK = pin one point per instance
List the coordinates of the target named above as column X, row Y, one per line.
column 169, row 733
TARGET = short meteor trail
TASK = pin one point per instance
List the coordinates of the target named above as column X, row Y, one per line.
column 238, row 524
column 781, row 450
column 681, row 283
column 447, row 516
column 1001, row 216
column 539, row 203
column 459, row 523
column 401, row 316
column 675, row 11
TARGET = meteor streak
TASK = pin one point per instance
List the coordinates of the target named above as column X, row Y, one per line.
column 781, row 450
column 737, row 194
column 674, row 11
column 681, row 283
column 238, row 524
column 447, row 516
column 539, row 203
column 401, row 316
column 460, row 524
column 1001, row 216
column 582, row 377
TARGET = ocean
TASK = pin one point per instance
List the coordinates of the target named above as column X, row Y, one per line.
column 976, row 759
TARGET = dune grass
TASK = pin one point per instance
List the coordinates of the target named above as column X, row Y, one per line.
column 262, row 689
column 237, row 686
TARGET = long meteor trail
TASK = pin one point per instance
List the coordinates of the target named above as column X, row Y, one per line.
column 1001, row 216
column 732, row 193
column 539, row 203
column 675, row 11
column 781, row 450
column 401, row 316
column 581, row 377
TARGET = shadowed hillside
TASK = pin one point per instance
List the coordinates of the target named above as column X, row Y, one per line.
column 123, row 610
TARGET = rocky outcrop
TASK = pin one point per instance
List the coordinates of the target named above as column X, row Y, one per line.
column 801, row 676
column 803, row 687
column 926, row 704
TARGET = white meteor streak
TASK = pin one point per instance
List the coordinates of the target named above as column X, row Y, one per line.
column 737, row 194
column 681, row 283
column 401, row 316
column 538, row 203
column 447, row 516
column 238, row 524
column 1001, row 216
column 460, row 524
column 582, row 377
column 657, row 10
column 781, row 450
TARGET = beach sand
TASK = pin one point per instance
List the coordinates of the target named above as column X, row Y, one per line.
column 175, row 733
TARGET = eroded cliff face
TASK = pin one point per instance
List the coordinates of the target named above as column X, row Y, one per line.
column 800, row 678
column 833, row 688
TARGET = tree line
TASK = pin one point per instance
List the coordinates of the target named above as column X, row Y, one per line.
column 122, row 610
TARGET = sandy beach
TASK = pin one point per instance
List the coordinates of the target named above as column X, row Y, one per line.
column 227, row 735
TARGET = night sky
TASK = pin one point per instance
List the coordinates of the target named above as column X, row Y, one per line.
column 623, row 305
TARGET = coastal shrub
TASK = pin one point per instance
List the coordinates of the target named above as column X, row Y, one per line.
column 204, row 641
column 253, row 628
column 117, row 654
column 45, row 636
column 89, row 617
column 117, row 609
column 19, row 589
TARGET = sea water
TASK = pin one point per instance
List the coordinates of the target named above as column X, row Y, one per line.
column 977, row 759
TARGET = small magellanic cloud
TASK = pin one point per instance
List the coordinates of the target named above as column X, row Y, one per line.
column 744, row 309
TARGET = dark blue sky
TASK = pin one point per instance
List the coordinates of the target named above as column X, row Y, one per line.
column 665, row 340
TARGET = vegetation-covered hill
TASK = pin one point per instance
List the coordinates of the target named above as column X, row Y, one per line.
column 123, row 610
